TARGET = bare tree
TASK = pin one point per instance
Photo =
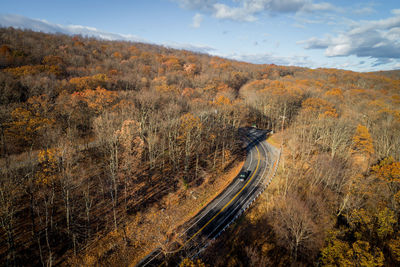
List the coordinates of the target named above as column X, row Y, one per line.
column 294, row 226
column 9, row 194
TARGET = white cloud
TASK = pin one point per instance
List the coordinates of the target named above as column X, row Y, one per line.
column 197, row 20
column 191, row 47
column 247, row 10
column 22, row 22
column 395, row 11
column 314, row 7
column 364, row 10
column 377, row 39
column 204, row 5
column 222, row 11
column 269, row 58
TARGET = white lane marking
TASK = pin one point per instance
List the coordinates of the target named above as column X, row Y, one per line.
column 152, row 258
column 222, row 197
column 251, row 160
column 244, row 200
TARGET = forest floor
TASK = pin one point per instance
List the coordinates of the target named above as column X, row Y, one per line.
column 144, row 231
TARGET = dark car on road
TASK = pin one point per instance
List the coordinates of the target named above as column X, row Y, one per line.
column 243, row 175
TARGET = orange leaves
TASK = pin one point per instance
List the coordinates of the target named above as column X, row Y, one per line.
column 320, row 106
column 255, row 85
column 396, row 99
column 388, row 170
column 219, row 63
column 52, row 60
column 113, row 72
column 6, row 53
column 222, row 100
column 380, row 107
column 360, row 93
column 89, row 82
column 222, row 87
column 33, row 70
column 277, row 84
column 134, row 50
column 190, row 69
column 189, row 263
column 222, row 92
column 26, row 125
column 161, row 85
column 9, row 55
column 117, row 55
column 78, row 43
column 187, row 92
column 5, row 50
column 97, row 100
column 189, row 122
column 335, row 92
column 282, row 88
column 172, row 63
column 146, row 69
column 25, row 70
column 362, row 141
column 48, row 162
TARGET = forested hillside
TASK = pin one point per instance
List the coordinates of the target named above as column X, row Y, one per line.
column 108, row 147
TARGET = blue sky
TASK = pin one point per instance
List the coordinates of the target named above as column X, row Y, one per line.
column 354, row 35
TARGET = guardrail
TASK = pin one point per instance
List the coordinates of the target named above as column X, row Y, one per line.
column 242, row 210
column 247, row 203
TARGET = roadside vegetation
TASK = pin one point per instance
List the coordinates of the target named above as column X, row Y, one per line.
column 108, row 147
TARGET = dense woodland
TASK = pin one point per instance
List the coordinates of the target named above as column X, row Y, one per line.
column 97, row 137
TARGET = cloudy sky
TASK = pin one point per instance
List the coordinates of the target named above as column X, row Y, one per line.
column 355, row 35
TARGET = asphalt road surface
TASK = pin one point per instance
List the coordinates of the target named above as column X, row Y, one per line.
column 222, row 211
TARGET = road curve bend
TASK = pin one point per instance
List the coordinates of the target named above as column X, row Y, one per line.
column 213, row 219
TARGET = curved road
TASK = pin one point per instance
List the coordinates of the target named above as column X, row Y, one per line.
column 226, row 207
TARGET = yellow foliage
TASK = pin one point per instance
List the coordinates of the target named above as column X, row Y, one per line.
column 52, row 60
column 339, row 253
column 386, row 220
column 161, row 85
column 222, row 100
column 396, row 99
column 335, row 92
column 388, row 170
column 320, row 106
column 336, row 253
column 189, row 263
column 48, row 162
column 394, row 247
column 360, row 221
column 363, row 255
column 34, row 70
column 117, row 55
column 26, row 125
column 134, row 50
column 190, row 69
column 173, row 63
column 255, row 85
column 189, row 122
column 97, row 100
column 89, row 82
column 362, row 141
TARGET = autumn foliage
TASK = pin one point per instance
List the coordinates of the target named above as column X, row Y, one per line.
column 101, row 140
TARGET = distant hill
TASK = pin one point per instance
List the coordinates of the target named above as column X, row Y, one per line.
column 108, row 147
column 393, row 74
